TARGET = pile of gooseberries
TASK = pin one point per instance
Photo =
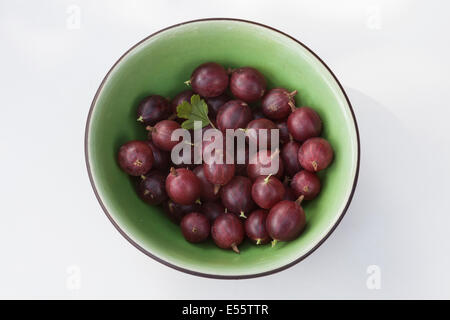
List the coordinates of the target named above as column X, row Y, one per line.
column 226, row 201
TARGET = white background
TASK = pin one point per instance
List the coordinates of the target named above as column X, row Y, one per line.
column 392, row 58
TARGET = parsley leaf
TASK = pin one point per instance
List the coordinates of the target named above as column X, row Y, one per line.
column 197, row 110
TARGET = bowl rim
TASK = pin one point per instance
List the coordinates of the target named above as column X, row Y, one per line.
column 193, row 272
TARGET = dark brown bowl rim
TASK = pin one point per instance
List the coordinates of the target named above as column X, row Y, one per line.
column 200, row 274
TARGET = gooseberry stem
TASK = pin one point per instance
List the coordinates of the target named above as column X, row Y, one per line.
column 299, row 200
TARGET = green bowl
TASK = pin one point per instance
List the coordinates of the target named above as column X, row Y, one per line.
column 160, row 64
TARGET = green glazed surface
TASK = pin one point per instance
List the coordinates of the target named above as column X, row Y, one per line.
column 159, row 65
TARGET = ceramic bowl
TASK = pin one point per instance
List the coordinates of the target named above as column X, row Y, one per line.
column 160, row 64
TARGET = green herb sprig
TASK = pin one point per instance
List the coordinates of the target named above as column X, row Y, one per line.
column 197, row 110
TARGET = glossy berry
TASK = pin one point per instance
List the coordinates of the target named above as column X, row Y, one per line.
column 267, row 191
column 153, row 109
column 175, row 211
column 233, row 115
column 247, row 84
column 152, row 188
column 228, row 231
column 255, row 133
column 160, row 158
column 236, row 196
column 207, row 188
column 284, row 132
column 286, row 221
column 255, row 227
column 183, row 96
column 304, row 123
column 264, row 163
column 209, row 80
column 289, row 155
column 307, row 184
column 183, row 186
column 215, row 103
column 278, row 103
column 161, row 134
column 315, row 154
column 195, row 227
column 218, row 174
column 135, row 158
column 212, row 210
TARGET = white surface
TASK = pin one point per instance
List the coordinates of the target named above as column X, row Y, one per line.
column 391, row 56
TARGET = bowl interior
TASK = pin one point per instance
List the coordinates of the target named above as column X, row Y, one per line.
column 160, row 65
